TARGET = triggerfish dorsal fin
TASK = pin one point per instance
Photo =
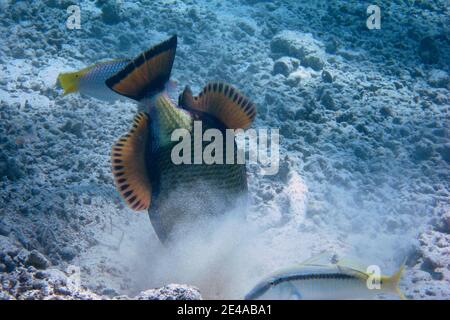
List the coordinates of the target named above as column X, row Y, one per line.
column 129, row 167
column 147, row 74
column 223, row 102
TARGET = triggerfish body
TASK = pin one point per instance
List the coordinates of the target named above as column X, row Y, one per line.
column 175, row 194
column 90, row 81
column 313, row 281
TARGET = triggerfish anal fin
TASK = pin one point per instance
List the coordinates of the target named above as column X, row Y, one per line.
column 147, row 74
column 223, row 102
column 129, row 166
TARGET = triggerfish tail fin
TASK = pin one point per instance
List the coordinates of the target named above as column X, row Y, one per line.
column 147, row 74
column 223, row 102
column 70, row 81
column 129, row 166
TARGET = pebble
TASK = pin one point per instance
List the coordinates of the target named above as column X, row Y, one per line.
column 37, row 260
column 68, row 253
column 328, row 101
column 285, row 66
column 327, row 77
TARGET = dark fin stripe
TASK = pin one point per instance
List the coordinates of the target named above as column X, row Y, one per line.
column 223, row 102
column 131, row 177
column 147, row 74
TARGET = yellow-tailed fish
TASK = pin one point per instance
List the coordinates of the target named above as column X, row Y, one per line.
column 144, row 173
column 90, row 81
column 313, row 281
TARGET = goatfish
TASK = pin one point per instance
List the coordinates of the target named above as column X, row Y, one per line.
column 175, row 195
column 315, row 281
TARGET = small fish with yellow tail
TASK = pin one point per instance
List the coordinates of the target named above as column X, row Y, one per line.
column 328, row 281
column 146, row 177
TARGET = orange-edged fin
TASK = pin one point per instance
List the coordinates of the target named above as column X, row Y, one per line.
column 222, row 101
column 147, row 74
column 129, row 167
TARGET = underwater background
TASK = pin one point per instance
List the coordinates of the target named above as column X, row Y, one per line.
column 363, row 118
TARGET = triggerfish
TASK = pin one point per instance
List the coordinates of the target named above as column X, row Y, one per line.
column 315, row 281
column 175, row 195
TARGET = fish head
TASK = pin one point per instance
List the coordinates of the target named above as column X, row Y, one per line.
column 260, row 289
column 70, row 81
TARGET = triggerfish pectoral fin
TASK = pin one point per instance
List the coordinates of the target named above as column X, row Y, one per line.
column 129, row 165
column 223, row 102
column 147, row 74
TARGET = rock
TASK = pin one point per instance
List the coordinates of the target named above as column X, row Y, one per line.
column 386, row 111
column 350, row 54
column 9, row 263
column 37, row 260
column 171, row 292
column 299, row 75
column 428, row 51
column 327, row 77
column 73, row 128
column 4, row 229
column 439, row 79
column 348, row 117
column 246, row 28
column 68, row 253
column 331, row 46
column 313, row 62
column 328, row 101
column 293, row 81
column 8, row 247
column 10, row 168
column 302, row 46
column 285, row 66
